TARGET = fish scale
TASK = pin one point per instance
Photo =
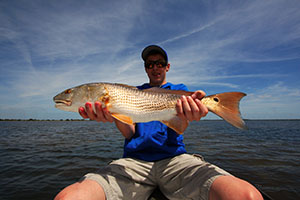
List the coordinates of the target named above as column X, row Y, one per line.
column 142, row 106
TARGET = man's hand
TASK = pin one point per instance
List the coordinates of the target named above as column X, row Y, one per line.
column 191, row 108
column 101, row 114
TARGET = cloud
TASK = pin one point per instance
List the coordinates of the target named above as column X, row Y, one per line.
column 61, row 41
column 49, row 46
column 187, row 34
column 273, row 101
column 244, row 32
column 277, row 92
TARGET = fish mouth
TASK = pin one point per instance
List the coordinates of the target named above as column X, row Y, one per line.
column 59, row 103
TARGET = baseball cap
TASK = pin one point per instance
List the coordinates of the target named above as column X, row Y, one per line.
column 152, row 49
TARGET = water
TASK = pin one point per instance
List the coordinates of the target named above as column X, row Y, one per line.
column 39, row 158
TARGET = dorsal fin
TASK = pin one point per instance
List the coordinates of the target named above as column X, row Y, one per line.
column 127, row 86
column 166, row 91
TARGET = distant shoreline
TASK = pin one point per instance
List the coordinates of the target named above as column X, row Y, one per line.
column 43, row 120
column 89, row 120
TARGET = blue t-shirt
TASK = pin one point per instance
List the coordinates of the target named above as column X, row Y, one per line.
column 153, row 140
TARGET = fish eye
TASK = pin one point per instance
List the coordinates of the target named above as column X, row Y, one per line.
column 216, row 99
column 68, row 91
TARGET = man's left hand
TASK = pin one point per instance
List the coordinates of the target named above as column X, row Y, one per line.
column 190, row 107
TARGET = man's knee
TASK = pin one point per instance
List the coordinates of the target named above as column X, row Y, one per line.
column 70, row 192
column 252, row 193
column 229, row 187
column 87, row 189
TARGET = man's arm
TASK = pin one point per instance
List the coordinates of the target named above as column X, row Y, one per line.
column 103, row 115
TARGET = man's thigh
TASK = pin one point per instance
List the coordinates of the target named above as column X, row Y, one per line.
column 188, row 177
column 125, row 179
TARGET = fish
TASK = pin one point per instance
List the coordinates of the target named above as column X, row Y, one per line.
column 132, row 105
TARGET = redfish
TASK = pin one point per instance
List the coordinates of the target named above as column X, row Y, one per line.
column 131, row 105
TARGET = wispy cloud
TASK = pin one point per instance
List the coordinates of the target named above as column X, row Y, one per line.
column 244, row 32
column 276, row 99
column 48, row 46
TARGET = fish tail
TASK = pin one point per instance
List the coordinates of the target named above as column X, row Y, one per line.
column 226, row 106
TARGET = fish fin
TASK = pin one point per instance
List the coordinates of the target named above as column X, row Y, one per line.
column 123, row 118
column 127, row 86
column 226, row 105
column 177, row 124
column 162, row 90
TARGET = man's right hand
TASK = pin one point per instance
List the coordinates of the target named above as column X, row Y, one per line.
column 103, row 115
column 100, row 114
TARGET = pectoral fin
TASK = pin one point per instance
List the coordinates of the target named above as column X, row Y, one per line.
column 177, row 124
column 123, row 118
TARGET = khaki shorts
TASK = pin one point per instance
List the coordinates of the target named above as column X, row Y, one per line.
column 182, row 177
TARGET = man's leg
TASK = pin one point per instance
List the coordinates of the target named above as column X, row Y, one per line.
column 86, row 189
column 231, row 188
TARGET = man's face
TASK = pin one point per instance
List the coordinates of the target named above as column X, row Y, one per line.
column 157, row 74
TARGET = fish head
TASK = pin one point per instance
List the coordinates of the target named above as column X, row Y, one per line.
column 70, row 99
column 73, row 98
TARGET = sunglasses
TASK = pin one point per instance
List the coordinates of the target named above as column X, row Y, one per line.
column 158, row 63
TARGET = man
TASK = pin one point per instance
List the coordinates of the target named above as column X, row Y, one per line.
column 154, row 155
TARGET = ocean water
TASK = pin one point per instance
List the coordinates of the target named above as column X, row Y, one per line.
column 39, row 158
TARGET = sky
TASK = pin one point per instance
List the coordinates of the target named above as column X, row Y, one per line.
column 251, row 46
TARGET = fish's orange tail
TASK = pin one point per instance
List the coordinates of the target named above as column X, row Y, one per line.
column 226, row 105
